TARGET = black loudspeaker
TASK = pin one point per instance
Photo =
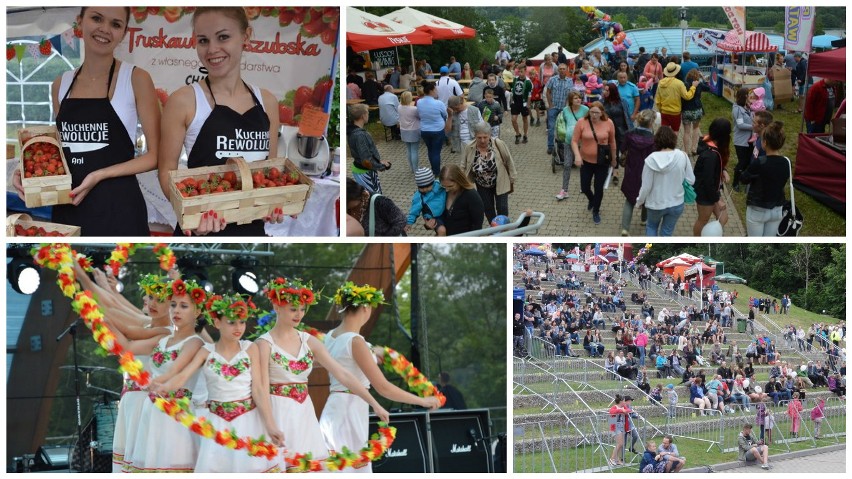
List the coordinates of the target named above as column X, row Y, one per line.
column 408, row 451
column 461, row 441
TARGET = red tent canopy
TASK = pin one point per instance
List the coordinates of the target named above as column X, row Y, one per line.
column 830, row 64
column 754, row 42
column 365, row 31
column 439, row 28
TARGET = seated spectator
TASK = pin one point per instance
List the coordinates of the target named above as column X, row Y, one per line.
column 388, row 219
column 672, row 395
column 626, row 367
column 651, row 461
column 698, row 397
column 752, row 450
column 642, row 382
column 739, row 393
column 609, row 363
column 663, row 368
column 389, row 111
column 594, row 349
column 657, row 394
column 669, row 453
column 688, row 375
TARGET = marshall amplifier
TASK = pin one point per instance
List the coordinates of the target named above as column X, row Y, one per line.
column 461, row 442
column 408, row 451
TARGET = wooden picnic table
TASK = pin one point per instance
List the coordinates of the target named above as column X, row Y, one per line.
column 354, row 101
column 399, row 91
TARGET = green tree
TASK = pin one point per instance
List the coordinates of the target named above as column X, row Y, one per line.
column 641, row 21
column 512, row 31
column 668, row 17
column 834, row 283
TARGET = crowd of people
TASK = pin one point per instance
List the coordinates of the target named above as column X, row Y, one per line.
column 259, row 388
column 719, row 375
column 594, row 104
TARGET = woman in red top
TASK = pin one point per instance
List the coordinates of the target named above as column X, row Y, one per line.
column 593, row 130
column 618, row 426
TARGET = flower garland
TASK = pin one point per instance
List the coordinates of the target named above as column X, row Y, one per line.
column 229, row 307
column 418, row 383
column 376, row 447
column 281, row 291
column 155, row 286
column 165, row 255
column 60, row 257
column 120, row 255
column 180, row 287
column 354, row 295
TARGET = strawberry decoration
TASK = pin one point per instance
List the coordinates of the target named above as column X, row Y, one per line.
column 44, row 47
column 10, row 52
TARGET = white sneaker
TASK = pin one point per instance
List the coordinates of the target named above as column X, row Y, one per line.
column 764, row 466
column 747, row 410
column 562, row 195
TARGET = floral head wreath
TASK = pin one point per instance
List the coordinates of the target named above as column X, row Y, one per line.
column 155, row 286
column 229, row 307
column 180, row 287
column 351, row 294
column 283, row 291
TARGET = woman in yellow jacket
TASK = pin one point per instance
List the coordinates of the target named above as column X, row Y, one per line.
column 488, row 164
column 669, row 95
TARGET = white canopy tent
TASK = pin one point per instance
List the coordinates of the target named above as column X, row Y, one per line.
column 553, row 47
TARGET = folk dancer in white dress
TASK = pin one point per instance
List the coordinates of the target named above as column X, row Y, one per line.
column 290, row 355
column 151, row 321
column 162, row 444
column 232, row 370
column 344, row 420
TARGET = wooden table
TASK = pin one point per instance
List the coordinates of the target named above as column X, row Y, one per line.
column 354, row 101
column 399, row 91
column 464, row 82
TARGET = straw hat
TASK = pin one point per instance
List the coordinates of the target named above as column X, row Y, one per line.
column 672, row 69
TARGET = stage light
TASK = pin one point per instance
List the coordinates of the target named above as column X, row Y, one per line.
column 193, row 267
column 243, row 279
column 23, row 275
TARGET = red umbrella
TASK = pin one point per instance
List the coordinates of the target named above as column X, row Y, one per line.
column 439, row 28
column 365, row 31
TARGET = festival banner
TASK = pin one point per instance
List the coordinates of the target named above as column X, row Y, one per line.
column 292, row 53
column 737, row 17
column 799, row 28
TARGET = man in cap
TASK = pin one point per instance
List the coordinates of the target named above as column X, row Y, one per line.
column 670, row 92
column 447, row 86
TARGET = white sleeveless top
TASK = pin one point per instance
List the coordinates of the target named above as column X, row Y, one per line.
column 340, row 348
column 163, row 358
column 203, row 110
column 228, row 380
column 286, row 369
column 123, row 99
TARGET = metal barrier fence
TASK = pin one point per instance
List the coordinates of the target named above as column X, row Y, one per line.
column 691, row 423
column 542, row 446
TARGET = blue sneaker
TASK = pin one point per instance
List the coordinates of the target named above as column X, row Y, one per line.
column 596, row 217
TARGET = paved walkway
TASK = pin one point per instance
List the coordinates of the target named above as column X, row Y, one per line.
column 831, row 462
column 535, row 189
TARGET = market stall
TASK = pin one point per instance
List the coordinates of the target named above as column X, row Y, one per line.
column 820, row 169
column 742, row 68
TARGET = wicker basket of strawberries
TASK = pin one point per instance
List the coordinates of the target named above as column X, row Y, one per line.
column 22, row 224
column 44, row 170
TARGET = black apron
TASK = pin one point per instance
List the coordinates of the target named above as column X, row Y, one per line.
column 224, row 124
column 115, row 206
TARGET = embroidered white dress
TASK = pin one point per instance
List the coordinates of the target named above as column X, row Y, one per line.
column 230, row 406
column 291, row 405
column 345, row 417
column 163, row 444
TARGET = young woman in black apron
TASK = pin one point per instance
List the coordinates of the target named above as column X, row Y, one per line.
column 98, row 107
column 206, row 117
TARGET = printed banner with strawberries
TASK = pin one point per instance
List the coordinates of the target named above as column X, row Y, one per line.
column 292, row 53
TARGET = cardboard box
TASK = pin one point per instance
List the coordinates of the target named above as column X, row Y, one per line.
column 782, row 89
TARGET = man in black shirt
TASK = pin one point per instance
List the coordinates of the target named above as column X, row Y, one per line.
column 455, row 400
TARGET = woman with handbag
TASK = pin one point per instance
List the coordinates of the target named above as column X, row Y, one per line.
column 666, row 175
column 713, row 153
column 488, row 164
column 616, row 109
column 573, row 112
column 593, row 145
column 366, row 159
column 767, row 176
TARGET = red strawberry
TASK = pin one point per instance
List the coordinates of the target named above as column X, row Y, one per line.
column 172, row 14
column 321, row 89
column 153, row 10
column 285, row 114
column 163, row 96
column 302, row 97
column 10, row 52
column 299, row 14
column 252, row 12
column 285, row 16
column 140, row 14
column 44, row 47
column 329, row 37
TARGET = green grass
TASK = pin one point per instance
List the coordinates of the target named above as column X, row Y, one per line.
column 819, row 219
column 798, row 316
column 695, row 451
